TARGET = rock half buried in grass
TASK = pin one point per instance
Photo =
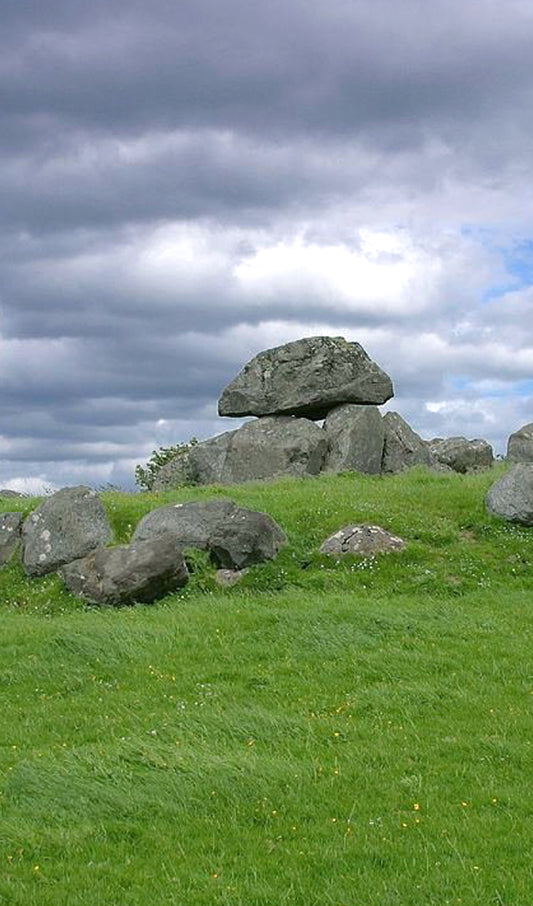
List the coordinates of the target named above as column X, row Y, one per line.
column 68, row 525
column 139, row 572
column 512, row 496
column 10, row 526
column 306, row 378
column 227, row 578
column 234, row 536
column 365, row 540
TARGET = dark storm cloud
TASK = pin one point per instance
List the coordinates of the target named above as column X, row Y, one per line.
column 150, row 153
column 282, row 65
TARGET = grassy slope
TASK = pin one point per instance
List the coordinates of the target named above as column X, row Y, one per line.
column 324, row 733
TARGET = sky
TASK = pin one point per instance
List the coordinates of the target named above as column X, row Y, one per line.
column 183, row 184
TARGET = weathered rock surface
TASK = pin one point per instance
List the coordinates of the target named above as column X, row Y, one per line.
column 234, row 536
column 512, row 496
column 462, row 455
column 248, row 537
column 355, row 439
column 227, row 578
column 68, row 525
column 175, row 473
column 191, row 523
column 365, row 540
column 208, row 460
column 268, row 448
column 10, row 532
column 403, row 448
column 8, row 492
column 306, row 378
column 520, row 445
column 140, row 572
column 262, row 449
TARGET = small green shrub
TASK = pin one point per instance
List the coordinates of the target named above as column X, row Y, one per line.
column 146, row 475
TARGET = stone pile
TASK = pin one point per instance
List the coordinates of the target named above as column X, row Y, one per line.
column 292, row 387
column 70, row 533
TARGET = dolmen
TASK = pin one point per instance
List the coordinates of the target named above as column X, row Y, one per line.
column 290, row 390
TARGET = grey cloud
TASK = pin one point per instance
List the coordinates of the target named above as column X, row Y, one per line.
column 247, row 124
column 279, row 65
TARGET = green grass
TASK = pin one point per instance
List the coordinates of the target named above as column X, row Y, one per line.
column 354, row 733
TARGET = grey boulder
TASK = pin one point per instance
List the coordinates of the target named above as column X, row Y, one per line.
column 234, row 536
column 262, row 449
column 462, row 455
column 355, row 439
column 306, row 378
column 10, row 529
column 208, row 460
column 175, row 473
column 68, row 525
column 365, row 540
column 403, row 448
column 191, row 523
column 268, row 448
column 520, row 445
column 512, row 496
column 140, row 572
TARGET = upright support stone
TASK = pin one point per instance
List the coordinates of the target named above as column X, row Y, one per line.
column 355, row 439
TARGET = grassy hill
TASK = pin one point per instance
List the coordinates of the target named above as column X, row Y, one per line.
column 350, row 733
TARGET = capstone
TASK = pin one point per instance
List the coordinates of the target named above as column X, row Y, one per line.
column 308, row 378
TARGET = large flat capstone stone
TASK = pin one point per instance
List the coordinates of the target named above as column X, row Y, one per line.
column 307, row 377
column 68, row 525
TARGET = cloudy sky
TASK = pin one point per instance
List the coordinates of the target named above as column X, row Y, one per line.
column 185, row 183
